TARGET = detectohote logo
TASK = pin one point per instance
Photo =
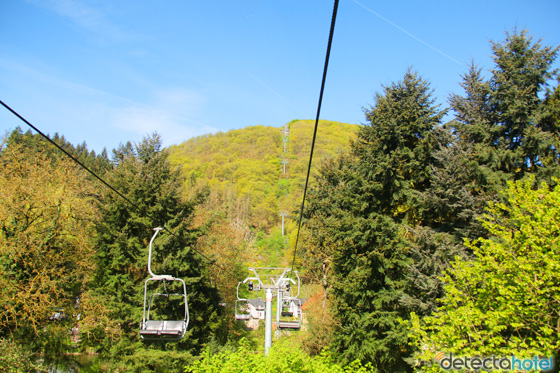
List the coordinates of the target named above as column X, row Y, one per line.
column 488, row 363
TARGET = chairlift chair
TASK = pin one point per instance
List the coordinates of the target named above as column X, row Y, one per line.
column 162, row 329
column 245, row 309
column 242, row 310
column 290, row 314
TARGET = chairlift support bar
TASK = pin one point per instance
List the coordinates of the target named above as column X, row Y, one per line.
column 272, row 281
column 154, row 276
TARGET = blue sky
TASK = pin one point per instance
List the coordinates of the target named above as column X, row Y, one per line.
column 110, row 71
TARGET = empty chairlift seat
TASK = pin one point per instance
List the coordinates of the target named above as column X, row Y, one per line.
column 172, row 329
column 166, row 328
column 242, row 309
column 245, row 309
column 291, row 315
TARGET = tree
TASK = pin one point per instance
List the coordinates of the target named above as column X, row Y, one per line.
column 507, row 300
column 506, row 118
column 358, row 220
column 47, row 217
column 395, row 150
column 36, row 143
column 142, row 173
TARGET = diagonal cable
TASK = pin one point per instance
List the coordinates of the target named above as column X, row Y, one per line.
column 70, row 156
column 331, row 33
column 142, row 211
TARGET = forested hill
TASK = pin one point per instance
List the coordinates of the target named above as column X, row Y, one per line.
column 243, row 170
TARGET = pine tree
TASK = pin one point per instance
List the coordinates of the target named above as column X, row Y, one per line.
column 35, row 143
column 395, row 149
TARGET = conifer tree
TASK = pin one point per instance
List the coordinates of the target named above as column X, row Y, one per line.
column 143, row 174
column 35, row 143
column 523, row 71
column 359, row 214
column 506, row 118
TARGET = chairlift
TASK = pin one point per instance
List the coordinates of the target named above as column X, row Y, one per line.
column 245, row 309
column 163, row 329
column 290, row 314
column 242, row 309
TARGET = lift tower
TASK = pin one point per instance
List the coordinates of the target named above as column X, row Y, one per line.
column 275, row 283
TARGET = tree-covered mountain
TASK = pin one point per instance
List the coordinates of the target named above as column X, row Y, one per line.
column 242, row 171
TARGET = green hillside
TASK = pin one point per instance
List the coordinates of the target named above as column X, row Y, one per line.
column 243, row 173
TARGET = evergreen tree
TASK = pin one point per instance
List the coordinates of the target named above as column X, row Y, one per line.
column 507, row 119
column 395, row 149
column 143, row 174
column 359, row 215
column 523, row 70
column 34, row 143
column 474, row 121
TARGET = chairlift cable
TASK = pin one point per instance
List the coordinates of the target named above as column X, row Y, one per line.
column 331, row 33
column 69, row 155
column 140, row 210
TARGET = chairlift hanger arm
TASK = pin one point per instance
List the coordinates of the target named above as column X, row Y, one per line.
column 163, row 277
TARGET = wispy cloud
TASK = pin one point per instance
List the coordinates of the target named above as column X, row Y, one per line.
column 93, row 19
column 276, row 93
column 408, row 33
column 32, row 74
column 170, row 113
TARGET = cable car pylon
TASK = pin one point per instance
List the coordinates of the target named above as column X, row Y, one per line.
column 275, row 283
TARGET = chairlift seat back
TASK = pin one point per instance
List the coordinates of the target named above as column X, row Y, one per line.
column 164, row 329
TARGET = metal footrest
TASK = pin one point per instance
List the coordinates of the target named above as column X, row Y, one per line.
column 289, row 325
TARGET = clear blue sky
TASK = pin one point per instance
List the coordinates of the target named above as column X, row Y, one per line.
column 109, row 71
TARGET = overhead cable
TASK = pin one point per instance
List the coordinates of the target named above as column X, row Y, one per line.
column 142, row 211
column 331, row 33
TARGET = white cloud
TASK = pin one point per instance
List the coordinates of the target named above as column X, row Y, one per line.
column 86, row 16
column 170, row 114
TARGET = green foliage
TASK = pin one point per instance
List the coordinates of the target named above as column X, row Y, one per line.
column 144, row 175
column 282, row 357
column 357, row 216
column 395, row 150
column 505, row 301
column 16, row 358
column 242, row 162
column 35, row 143
column 47, row 214
column 149, row 360
column 270, row 248
column 507, row 118
column 243, row 168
